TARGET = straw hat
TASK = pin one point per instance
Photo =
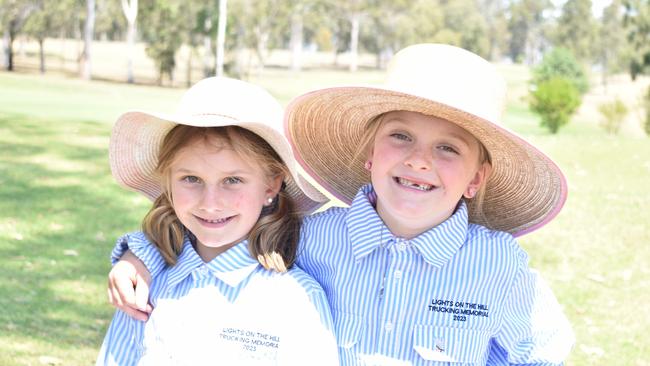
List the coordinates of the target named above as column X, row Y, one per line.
column 525, row 190
column 212, row 102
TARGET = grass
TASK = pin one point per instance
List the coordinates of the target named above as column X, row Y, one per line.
column 60, row 212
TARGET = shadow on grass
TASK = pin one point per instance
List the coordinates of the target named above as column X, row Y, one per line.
column 59, row 216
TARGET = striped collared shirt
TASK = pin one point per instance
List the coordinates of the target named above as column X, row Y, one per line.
column 456, row 293
column 228, row 311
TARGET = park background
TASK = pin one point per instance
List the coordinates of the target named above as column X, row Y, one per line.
column 61, row 91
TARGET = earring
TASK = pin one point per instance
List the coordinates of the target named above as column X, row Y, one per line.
column 269, row 200
column 368, row 165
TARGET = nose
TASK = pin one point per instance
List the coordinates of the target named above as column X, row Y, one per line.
column 211, row 199
column 418, row 159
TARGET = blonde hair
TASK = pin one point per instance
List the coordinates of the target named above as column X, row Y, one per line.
column 368, row 139
column 273, row 240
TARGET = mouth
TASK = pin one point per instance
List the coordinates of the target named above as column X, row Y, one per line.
column 423, row 187
column 214, row 222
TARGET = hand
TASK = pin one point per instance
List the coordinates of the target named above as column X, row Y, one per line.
column 128, row 287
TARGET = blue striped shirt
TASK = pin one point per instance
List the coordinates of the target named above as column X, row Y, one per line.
column 458, row 292
column 229, row 311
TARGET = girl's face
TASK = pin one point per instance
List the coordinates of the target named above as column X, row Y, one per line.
column 421, row 167
column 217, row 195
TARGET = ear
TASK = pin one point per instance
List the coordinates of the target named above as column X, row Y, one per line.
column 274, row 186
column 479, row 179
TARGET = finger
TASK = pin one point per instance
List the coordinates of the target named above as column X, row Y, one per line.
column 124, row 292
column 135, row 313
column 141, row 293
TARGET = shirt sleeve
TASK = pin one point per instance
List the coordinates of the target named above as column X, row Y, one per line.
column 535, row 330
column 123, row 342
column 142, row 248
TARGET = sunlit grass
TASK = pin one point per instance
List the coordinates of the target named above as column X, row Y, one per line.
column 60, row 212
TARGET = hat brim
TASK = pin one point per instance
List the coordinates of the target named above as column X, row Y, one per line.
column 137, row 136
column 525, row 189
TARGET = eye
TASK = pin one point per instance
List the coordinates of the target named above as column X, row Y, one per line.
column 400, row 136
column 447, row 148
column 232, row 180
column 192, row 179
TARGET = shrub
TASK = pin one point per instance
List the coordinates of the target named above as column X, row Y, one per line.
column 555, row 100
column 613, row 114
column 560, row 63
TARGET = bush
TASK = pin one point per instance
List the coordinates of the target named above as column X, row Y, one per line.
column 560, row 63
column 613, row 115
column 555, row 100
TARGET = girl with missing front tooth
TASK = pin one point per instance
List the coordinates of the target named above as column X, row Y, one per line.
column 225, row 218
column 423, row 267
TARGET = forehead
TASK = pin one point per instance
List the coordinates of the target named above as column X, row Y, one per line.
column 425, row 124
column 212, row 153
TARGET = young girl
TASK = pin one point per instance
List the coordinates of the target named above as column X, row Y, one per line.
column 225, row 218
column 423, row 268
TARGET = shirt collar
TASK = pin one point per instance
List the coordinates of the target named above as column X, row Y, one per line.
column 232, row 266
column 368, row 232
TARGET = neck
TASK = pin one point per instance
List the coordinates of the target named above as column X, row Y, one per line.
column 208, row 253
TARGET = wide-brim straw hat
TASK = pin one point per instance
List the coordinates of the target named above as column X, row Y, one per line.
column 212, row 102
column 525, row 190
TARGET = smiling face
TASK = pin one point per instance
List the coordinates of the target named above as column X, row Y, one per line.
column 421, row 167
column 217, row 195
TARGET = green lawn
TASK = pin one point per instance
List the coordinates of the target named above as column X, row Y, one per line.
column 60, row 212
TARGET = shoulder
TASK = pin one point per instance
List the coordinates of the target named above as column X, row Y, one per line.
column 495, row 241
column 305, row 281
column 134, row 238
column 332, row 215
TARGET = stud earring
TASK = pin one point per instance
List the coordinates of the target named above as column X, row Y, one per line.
column 269, row 200
column 368, row 165
column 471, row 193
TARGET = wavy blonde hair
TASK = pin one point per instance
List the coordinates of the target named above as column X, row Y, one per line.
column 273, row 240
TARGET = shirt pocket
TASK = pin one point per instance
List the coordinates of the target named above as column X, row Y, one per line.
column 448, row 345
column 348, row 328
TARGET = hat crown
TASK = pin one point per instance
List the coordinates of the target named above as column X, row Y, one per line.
column 235, row 99
column 471, row 83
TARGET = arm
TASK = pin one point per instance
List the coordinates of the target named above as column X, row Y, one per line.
column 134, row 257
column 535, row 330
column 123, row 342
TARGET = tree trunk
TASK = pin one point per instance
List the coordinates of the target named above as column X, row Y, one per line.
column 130, row 10
column 207, row 46
column 5, row 47
column 89, row 28
column 221, row 37
column 41, row 54
column 296, row 41
column 354, row 41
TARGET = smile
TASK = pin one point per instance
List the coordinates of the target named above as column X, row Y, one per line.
column 214, row 222
column 419, row 186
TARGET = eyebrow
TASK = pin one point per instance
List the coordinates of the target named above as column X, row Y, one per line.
column 232, row 172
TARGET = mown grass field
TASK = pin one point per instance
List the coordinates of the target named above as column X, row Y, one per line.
column 60, row 212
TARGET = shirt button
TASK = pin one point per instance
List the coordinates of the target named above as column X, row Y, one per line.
column 401, row 247
column 388, row 326
column 397, row 274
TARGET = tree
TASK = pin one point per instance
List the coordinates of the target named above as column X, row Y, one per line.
column 611, row 41
column 555, row 100
column 13, row 15
column 89, row 30
column 576, row 29
column 560, row 63
column 525, row 21
column 221, row 37
column 163, row 34
column 130, row 8
column 637, row 23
